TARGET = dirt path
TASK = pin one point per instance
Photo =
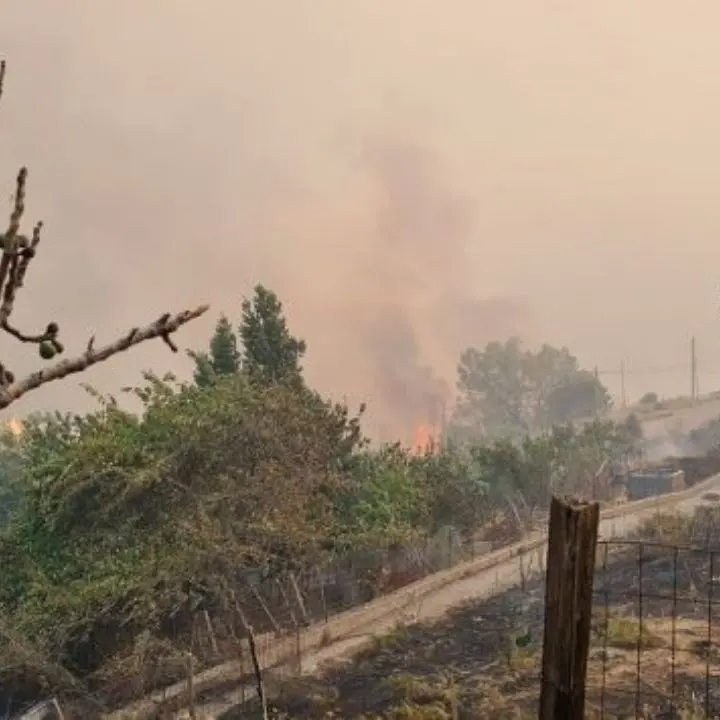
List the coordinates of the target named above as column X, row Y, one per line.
column 481, row 585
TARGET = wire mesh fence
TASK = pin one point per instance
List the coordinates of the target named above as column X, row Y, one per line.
column 288, row 613
column 656, row 613
column 655, row 616
column 654, row 633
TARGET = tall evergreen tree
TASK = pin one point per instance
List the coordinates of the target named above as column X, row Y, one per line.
column 223, row 357
column 270, row 353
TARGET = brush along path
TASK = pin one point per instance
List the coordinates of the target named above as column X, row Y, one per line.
column 424, row 600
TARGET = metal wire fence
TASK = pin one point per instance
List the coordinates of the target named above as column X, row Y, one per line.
column 654, row 651
column 654, row 639
column 655, row 627
column 289, row 615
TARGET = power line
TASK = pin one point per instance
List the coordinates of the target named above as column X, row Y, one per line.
column 656, row 370
column 643, row 370
column 678, row 369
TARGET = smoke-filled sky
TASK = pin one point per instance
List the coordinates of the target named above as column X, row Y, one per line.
column 410, row 176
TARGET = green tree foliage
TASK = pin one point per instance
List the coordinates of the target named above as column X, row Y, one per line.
column 458, row 491
column 384, row 493
column 396, row 496
column 524, row 475
column 223, row 357
column 633, row 428
column 11, row 464
column 263, row 348
column 506, row 391
column 579, row 396
column 121, row 511
column 270, row 353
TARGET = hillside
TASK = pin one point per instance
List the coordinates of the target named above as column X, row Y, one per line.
column 675, row 415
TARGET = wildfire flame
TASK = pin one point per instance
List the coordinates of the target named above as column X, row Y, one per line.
column 425, row 441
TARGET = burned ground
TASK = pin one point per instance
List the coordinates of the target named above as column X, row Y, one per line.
column 483, row 659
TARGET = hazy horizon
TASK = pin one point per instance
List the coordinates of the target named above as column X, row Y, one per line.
column 409, row 177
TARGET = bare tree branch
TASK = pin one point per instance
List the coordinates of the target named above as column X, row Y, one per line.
column 162, row 328
column 17, row 251
column 10, row 246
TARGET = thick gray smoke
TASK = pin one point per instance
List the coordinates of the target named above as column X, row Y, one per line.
column 402, row 289
column 168, row 179
column 434, row 174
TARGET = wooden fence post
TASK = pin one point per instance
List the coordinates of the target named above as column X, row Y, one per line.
column 572, row 542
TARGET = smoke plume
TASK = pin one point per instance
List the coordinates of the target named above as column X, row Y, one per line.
column 410, row 177
column 397, row 299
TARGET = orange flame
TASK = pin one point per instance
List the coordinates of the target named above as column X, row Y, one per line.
column 424, row 441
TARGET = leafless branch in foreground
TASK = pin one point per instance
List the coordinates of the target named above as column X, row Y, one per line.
column 16, row 253
column 162, row 328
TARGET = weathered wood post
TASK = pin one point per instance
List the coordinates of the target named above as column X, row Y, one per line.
column 572, row 542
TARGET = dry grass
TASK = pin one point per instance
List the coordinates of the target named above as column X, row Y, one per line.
column 462, row 668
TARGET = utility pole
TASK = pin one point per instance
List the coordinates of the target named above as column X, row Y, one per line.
column 693, row 370
column 597, row 391
column 443, row 425
column 623, row 394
